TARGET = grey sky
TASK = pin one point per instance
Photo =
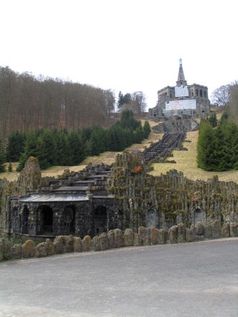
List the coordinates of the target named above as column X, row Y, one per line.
column 123, row 45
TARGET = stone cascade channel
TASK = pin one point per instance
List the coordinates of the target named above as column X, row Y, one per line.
column 160, row 150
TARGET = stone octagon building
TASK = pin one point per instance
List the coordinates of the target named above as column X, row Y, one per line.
column 182, row 99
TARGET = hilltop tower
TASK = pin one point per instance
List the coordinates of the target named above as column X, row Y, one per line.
column 182, row 99
column 181, row 78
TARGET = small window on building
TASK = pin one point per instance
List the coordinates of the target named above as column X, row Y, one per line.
column 192, row 93
column 196, row 92
column 200, row 92
column 205, row 94
column 170, row 95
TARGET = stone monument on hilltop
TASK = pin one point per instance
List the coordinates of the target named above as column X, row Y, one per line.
column 182, row 99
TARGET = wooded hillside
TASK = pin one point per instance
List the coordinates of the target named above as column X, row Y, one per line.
column 28, row 103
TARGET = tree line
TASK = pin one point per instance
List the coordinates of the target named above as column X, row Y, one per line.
column 28, row 103
column 217, row 148
column 62, row 147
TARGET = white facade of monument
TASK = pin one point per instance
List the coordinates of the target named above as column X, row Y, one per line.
column 181, row 91
column 187, row 104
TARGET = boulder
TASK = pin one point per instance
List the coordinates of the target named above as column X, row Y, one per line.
column 41, row 250
column 216, row 229
column 208, row 231
column 136, row 240
column 199, row 227
column 173, row 234
column 128, row 237
column 225, row 230
column 28, row 249
column 59, row 244
column 154, row 235
column 96, row 243
column 181, row 233
column 190, row 234
column 5, row 249
column 234, row 229
column 50, row 249
column 68, row 243
column 118, row 238
column 111, row 239
column 87, row 243
column 163, row 236
column 78, row 247
column 144, row 235
column 16, row 251
column 103, row 241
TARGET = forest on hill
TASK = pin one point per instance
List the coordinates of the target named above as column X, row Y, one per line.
column 62, row 147
column 28, row 103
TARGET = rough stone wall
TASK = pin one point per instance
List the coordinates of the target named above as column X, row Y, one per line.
column 30, row 177
column 174, row 197
column 133, row 188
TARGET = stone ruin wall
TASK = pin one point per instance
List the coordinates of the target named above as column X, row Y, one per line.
column 145, row 200
column 174, row 197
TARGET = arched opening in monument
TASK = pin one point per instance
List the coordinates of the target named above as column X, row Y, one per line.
column 100, row 219
column 69, row 219
column 25, row 220
column 46, row 219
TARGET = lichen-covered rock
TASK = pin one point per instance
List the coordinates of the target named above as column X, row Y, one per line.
column 30, row 176
column 173, row 234
column 190, row 234
column 199, row 229
column 142, row 235
column 41, row 250
column 50, row 249
column 163, row 236
column 59, row 244
column 136, row 239
column 28, row 249
column 16, row 251
column 128, row 237
column 5, row 249
column 225, row 230
column 103, row 241
column 68, row 243
column 96, row 243
column 181, row 233
column 111, row 239
column 118, row 238
column 78, row 247
column 234, row 230
column 208, row 231
column 148, row 236
column 87, row 243
column 216, row 229
column 154, row 235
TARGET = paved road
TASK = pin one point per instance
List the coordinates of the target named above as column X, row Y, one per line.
column 196, row 279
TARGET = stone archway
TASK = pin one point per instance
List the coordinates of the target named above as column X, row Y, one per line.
column 100, row 219
column 69, row 219
column 25, row 220
column 46, row 219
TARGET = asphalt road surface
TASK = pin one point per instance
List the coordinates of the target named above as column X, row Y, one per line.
column 191, row 279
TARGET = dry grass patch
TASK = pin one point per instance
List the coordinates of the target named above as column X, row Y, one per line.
column 186, row 161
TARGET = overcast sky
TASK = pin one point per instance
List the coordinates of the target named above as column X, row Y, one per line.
column 125, row 45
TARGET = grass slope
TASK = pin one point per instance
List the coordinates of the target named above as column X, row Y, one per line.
column 186, row 162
